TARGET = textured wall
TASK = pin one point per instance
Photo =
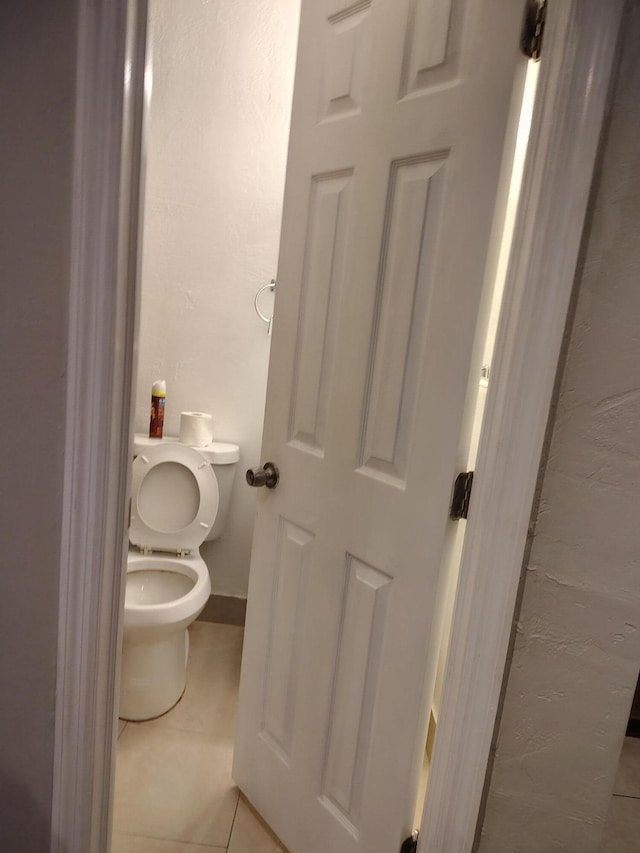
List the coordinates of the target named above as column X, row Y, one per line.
column 222, row 88
column 577, row 649
column 36, row 150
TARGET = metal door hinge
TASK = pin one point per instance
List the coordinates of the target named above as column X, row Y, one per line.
column 533, row 29
column 461, row 495
column 410, row 845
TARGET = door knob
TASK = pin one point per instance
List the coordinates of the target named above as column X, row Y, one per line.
column 267, row 476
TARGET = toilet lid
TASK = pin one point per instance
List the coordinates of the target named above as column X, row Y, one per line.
column 174, row 498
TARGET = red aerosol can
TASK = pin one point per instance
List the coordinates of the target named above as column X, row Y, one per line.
column 158, row 395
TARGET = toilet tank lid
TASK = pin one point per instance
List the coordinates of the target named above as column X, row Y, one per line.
column 216, row 453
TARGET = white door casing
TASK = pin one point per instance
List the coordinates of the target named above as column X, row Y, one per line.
column 579, row 50
column 399, row 117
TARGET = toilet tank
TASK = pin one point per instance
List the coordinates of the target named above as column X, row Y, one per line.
column 223, row 458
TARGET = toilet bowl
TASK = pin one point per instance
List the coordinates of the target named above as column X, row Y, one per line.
column 176, row 504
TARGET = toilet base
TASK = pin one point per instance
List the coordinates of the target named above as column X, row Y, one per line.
column 154, row 672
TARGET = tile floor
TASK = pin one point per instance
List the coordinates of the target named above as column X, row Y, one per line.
column 173, row 791
column 622, row 831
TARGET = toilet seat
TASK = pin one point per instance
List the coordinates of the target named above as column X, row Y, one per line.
column 174, row 499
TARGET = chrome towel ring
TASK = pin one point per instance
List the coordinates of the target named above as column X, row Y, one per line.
column 268, row 320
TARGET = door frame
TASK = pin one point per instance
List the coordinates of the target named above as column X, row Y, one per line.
column 112, row 93
column 579, row 51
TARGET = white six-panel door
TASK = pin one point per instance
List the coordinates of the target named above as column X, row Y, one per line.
column 397, row 135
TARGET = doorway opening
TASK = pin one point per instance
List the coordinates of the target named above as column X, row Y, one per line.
column 219, row 82
column 177, row 292
column 82, row 753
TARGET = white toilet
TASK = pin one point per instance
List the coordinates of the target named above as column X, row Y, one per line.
column 179, row 498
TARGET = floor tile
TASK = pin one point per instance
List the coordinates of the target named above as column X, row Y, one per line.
column 251, row 834
column 123, row 843
column 628, row 776
column 174, row 785
column 210, row 700
column 622, row 830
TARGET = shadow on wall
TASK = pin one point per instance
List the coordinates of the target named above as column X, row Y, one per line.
column 24, row 825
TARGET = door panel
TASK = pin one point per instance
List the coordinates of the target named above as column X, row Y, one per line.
column 321, row 288
column 364, row 608
column 401, row 316
column 292, row 560
column 397, row 133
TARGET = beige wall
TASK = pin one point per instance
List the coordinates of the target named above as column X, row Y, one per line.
column 37, row 81
column 577, row 644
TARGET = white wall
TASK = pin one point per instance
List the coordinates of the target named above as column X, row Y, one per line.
column 216, row 155
column 36, row 159
column 577, row 645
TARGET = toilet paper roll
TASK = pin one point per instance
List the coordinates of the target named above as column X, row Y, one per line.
column 196, row 429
